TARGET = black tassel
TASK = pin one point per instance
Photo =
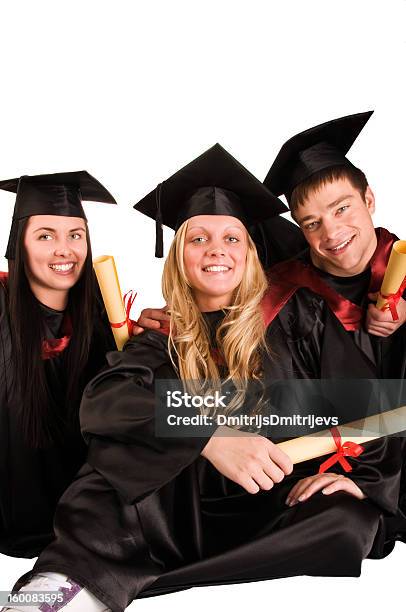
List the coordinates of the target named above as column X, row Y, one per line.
column 12, row 240
column 159, row 236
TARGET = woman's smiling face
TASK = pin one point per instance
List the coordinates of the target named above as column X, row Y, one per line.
column 214, row 257
column 55, row 252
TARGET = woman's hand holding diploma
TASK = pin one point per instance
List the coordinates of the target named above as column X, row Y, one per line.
column 252, row 461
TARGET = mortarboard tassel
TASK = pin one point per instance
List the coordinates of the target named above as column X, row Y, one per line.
column 12, row 241
column 159, row 238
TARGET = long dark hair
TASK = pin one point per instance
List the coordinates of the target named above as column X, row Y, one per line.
column 43, row 422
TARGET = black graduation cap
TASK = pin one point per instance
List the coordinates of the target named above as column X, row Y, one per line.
column 215, row 183
column 315, row 149
column 58, row 194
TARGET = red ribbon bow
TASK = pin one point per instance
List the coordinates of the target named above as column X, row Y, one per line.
column 128, row 299
column 347, row 449
column 392, row 300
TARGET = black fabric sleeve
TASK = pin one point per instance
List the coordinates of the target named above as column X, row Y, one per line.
column 118, row 422
column 377, row 472
column 294, row 339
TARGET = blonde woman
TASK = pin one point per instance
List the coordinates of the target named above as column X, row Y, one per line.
column 149, row 514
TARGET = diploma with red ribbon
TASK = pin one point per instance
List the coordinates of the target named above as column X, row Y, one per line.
column 354, row 434
column 394, row 281
column 128, row 301
column 118, row 308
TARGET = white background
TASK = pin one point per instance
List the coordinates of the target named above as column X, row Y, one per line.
column 131, row 91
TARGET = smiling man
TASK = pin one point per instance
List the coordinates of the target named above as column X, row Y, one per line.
column 333, row 204
column 336, row 220
column 325, row 324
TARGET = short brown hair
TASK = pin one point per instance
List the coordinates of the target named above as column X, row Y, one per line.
column 302, row 191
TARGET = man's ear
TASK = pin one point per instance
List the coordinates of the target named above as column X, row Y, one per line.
column 370, row 200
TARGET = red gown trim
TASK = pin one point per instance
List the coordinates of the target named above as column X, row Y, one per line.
column 289, row 276
column 54, row 346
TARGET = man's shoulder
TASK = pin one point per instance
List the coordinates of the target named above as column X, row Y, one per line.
column 288, row 291
column 304, row 304
column 299, row 314
column 386, row 233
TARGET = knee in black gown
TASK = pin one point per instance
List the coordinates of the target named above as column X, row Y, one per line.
column 328, row 535
column 340, row 530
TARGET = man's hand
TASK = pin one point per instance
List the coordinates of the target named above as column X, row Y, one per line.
column 251, row 461
column 380, row 322
column 328, row 483
column 152, row 318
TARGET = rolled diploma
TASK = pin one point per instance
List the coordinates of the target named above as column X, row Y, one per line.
column 395, row 272
column 361, row 431
column 106, row 272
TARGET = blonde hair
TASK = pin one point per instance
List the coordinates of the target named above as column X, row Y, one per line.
column 240, row 338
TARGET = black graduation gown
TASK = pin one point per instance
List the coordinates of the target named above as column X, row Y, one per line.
column 309, row 342
column 32, row 481
column 149, row 515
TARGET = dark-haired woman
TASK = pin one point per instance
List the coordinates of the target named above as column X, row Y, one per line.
column 53, row 339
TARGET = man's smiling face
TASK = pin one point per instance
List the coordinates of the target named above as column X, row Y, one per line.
column 337, row 223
